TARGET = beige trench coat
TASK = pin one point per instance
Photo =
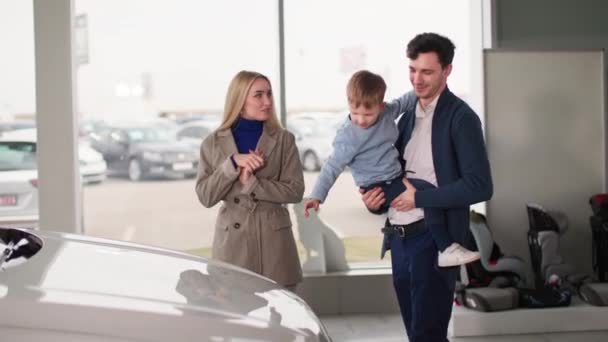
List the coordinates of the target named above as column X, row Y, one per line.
column 253, row 228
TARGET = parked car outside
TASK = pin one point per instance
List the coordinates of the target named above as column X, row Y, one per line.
column 194, row 132
column 18, row 183
column 145, row 150
column 7, row 126
column 314, row 133
column 63, row 287
column 92, row 167
column 19, row 176
column 198, row 117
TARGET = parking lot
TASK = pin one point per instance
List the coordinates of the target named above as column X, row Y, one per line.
column 167, row 213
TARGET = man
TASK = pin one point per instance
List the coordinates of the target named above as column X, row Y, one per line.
column 440, row 141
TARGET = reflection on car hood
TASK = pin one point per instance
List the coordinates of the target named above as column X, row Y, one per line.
column 164, row 146
column 95, row 286
column 18, row 175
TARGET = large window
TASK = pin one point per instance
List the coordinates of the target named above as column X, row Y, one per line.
column 151, row 82
column 326, row 42
column 18, row 176
column 152, row 68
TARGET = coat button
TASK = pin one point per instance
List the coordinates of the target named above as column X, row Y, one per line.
column 236, row 200
column 237, row 225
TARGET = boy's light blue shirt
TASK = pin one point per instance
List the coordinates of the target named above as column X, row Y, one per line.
column 369, row 152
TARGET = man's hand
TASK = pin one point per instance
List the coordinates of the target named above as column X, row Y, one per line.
column 406, row 200
column 373, row 198
column 311, row 203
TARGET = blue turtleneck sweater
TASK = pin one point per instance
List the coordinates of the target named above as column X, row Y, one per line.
column 246, row 134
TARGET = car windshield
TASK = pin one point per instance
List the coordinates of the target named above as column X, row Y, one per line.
column 149, row 134
column 17, row 156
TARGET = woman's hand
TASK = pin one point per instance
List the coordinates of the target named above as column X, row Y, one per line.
column 244, row 175
column 253, row 160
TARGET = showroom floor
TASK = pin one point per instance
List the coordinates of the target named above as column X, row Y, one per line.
column 389, row 328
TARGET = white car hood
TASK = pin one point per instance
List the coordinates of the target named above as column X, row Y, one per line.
column 97, row 286
column 88, row 154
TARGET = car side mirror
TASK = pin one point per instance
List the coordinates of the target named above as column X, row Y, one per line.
column 17, row 246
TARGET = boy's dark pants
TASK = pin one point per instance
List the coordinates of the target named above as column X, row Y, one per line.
column 433, row 217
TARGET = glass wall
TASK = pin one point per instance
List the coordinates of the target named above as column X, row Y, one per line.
column 326, row 42
column 152, row 77
column 153, row 66
column 18, row 176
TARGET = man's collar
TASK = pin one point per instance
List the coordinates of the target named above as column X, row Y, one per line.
column 428, row 109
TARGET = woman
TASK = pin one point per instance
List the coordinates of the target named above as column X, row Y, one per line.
column 252, row 165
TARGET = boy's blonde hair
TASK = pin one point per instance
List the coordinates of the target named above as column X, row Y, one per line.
column 365, row 88
column 237, row 95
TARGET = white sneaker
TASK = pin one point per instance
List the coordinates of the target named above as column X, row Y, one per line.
column 456, row 255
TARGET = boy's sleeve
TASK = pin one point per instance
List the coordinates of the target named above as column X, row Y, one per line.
column 397, row 106
column 344, row 151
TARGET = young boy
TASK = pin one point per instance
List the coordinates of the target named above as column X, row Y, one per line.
column 365, row 143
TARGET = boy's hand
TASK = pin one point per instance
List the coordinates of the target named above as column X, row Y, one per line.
column 311, row 203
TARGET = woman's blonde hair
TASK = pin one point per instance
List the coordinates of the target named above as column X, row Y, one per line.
column 236, row 96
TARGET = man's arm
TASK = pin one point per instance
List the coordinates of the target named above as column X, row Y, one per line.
column 475, row 183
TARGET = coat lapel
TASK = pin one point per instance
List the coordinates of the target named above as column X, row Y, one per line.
column 226, row 142
column 267, row 141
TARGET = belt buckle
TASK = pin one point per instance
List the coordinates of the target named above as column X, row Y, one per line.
column 400, row 230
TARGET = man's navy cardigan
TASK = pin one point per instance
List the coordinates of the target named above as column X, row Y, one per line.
column 459, row 156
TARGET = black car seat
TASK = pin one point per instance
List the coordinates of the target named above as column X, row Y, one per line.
column 545, row 229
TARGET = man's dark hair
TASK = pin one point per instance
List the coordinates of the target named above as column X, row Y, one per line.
column 432, row 42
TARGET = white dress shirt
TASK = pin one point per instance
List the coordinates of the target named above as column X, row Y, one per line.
column 418, row 156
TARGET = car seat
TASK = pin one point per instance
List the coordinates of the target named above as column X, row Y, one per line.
column 492, row 260
column 545, row 229
column 599, row 234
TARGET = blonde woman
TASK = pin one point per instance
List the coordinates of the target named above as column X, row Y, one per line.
column 251, row 164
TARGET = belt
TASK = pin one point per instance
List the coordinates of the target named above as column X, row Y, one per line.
column 404, row 230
